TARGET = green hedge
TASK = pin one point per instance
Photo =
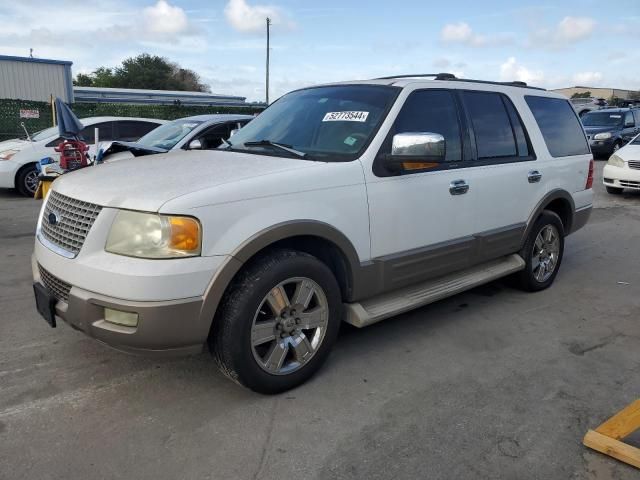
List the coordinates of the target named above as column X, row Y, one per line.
column 10, row 113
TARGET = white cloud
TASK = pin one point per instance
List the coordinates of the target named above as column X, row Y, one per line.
column 511, row 70
column 165, row 19
column 568, row 31
column 587, row 78
column 572, row 29
column 462, row 33
column 250, row 19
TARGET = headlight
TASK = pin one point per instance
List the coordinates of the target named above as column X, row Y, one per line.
column 150, row 235
column 602, row 136
column 7, row 154
column 616, row 161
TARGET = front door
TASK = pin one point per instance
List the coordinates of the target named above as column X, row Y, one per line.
column 421, row 221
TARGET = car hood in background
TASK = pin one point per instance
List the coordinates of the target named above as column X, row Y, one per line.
column 629, row 152
column 147, row 183
column 136, row 149
column 594, row 130
column 13, row 144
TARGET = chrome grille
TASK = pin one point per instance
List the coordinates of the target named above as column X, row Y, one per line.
column 635, row 164
column 56, row 287
column 74, row 219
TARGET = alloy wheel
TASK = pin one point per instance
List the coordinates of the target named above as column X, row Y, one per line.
column 289, row 326
column 546, row 251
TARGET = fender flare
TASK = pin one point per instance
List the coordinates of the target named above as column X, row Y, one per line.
column 263, row 239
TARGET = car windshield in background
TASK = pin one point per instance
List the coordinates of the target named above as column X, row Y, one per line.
column 44, row 134
column 635, row 141
column 168, row 135
column 602, row 119
column 332, row 123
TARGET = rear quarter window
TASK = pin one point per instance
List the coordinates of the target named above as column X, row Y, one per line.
column 560, row 127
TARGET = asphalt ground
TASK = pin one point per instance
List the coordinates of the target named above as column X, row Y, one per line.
column 493, row 383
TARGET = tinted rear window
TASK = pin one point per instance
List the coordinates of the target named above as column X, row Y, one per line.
column 559, row 125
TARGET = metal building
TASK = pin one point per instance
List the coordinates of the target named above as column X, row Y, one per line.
column 157, row 97
column 27, row 78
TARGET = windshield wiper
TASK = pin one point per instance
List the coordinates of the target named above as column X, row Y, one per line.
column 269, row 143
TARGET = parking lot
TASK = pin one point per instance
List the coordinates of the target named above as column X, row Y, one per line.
column 493, row 383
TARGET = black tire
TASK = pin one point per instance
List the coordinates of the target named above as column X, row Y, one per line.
column 526, row 279
column 23, row 180
column 231, row 337
column 614, row 190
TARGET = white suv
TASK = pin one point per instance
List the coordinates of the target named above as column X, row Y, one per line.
column 346, row 202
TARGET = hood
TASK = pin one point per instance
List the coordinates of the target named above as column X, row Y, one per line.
column 594, row 130
column 136, row 149
column 147, row 183
column 629, row 152
column 13, row 144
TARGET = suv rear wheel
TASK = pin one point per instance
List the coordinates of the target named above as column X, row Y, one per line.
column 542, row 253
column 278, row 322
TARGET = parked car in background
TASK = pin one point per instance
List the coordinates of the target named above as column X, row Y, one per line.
column 609, row 129
column 348, row 202
column 200, row 132
column 583, row 106
column 623, row 168
column 18, row 157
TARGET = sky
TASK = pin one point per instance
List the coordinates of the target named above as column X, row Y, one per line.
column 551, row 44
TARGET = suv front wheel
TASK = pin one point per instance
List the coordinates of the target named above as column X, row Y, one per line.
column 277, row 322
column 542, row 253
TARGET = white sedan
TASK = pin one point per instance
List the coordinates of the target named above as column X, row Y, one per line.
column 18, row 157
column 623, row 168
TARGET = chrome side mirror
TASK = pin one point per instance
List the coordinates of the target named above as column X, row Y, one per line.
column 195, row 144
column 426, row 145
column 415, row 151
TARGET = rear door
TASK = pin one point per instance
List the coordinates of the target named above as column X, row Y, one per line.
column 508, row 178
column 132, row 130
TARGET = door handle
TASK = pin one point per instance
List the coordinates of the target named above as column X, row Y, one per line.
column 534, row 176
column 458, row 187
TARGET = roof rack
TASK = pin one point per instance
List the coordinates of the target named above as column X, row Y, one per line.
column 452, row 77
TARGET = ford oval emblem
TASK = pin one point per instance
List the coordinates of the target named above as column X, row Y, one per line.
column 53, row 218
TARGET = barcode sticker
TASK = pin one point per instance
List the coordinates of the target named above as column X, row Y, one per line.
column 346, row 117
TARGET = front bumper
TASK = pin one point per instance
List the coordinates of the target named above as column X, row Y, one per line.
column 602, row 147
column 173, row 327
column 8, row 170
column 621, row 177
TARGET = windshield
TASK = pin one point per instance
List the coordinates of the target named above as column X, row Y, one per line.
column 635, row 141
column 602, row 119
column 327, row 123
column 44, row 134
column 168, row 135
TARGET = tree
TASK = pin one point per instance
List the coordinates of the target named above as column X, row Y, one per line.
column 581, row 95
column 145, row 72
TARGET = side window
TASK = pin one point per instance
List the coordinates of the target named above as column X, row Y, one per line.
column 495, row 136
column 212, row 137
column 432, row 111
column 132, row 130
column 560, row 127
column 105, row 131
column 628, row 118
column 636, row 113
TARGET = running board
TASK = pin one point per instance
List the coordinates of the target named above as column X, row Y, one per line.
column 367, row 312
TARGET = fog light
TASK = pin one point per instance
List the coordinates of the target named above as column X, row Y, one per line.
column 126, row 319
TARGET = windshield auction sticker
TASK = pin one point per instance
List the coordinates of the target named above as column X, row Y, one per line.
column 346, row 117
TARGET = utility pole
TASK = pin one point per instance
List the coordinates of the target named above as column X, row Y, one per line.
column 267, row 86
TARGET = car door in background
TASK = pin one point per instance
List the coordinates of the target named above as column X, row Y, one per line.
column 132, row 130
column 629, row 127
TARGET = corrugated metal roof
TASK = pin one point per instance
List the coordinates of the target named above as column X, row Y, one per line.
column 35, row 60
column 132, row 95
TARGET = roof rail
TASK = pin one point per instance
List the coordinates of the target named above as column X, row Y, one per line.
column 452, row 77
column 437, row 76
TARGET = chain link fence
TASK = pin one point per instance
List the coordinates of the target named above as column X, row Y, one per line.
column 38, row 115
